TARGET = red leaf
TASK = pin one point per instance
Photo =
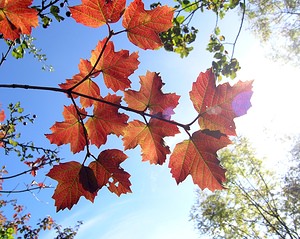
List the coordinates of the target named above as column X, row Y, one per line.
column 87, row 87
column 150, row 138
column 74, row 180
column 115, row 66
column 36, row 165
column 16, row 18
column 69, row 131
column 2, row 116
column 95, row 13
column 219, row 105
column 150, row 96
column 143, row 26
column 106, row 120
column 108, row 167
column 197, row 157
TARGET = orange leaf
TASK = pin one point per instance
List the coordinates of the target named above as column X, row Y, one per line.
column 69, row 131
column 16, row 18
column 197, row 157
column 143, row 26
column 219, row 105
column 87, row 87
column 150, row 138
column 95, row 13
column 74, row 180
column 108, row 167
column 106, row 120
column 150, row 96
column 2, row 116
column 116, row 66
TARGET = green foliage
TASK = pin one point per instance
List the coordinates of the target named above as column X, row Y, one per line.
column 26, row 44
column 10, row 139
column 223, row 63
column 253, row 206
column 179, row 38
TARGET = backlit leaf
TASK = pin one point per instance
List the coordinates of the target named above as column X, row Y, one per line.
column 74, row 180
column 108, row 167
column 150, row 138
column 69, row 131
column 219, row 105
column 115, row 66
column 150, row 96
column 143, row 26
column 95, row 13
column 87, row 87
column 197, row 157
column 16, row 17
column 106, row 120
column 2, row 115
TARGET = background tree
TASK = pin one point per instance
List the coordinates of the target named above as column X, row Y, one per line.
column 254, row 204
column 277, row 23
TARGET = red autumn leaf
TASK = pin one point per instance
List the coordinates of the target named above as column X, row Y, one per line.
column 2, row 116
column 106, row 120
column 115, row 66
column 143, row 26
column 74, row 180
column 150, row 138
column 17, row 18
column 108, row 167
column 219, row 105
column 36, row 165
column 69, row 131
column 150, row 96
column 83, row 84
column 197, row 157
column 87, row 87
column 85, row 67
column 95, row 13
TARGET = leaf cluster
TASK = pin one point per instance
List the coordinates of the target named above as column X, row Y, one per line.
column 146, row 117
column 255, row 205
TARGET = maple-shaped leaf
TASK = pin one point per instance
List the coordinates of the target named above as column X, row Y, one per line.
column 17, row 18
column 85, row 67
column 219, row 105
column 74, row 180
column 70, row 130
column 108, row 167
column 95, row 13
column 150, row 138
column 143, row 26
column 106, row 120
column 197, row 157
column 87, row 87
column 115, row 66
column 150, row 96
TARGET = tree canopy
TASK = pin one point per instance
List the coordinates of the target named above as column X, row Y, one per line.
column 257, row 202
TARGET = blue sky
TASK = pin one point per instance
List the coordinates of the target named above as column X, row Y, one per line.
column 157, row 208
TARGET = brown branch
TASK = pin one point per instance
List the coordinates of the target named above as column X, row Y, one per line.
column 240, row 28
column 4, row 56
column 23, row 190
column 27, row 171
column 46, row 88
